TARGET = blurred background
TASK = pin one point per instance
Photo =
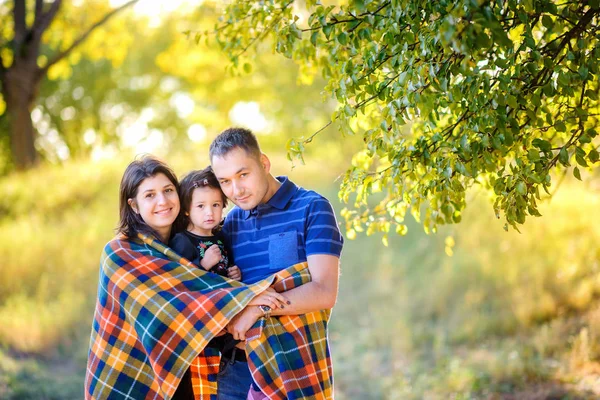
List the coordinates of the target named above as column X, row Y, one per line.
column 472, row 312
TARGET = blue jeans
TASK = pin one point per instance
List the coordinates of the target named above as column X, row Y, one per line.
column 234, row 380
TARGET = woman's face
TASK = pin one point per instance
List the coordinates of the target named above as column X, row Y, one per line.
column 157, row 203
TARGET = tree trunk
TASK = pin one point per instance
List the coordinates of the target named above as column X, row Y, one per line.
column 20, row 87
column 21, row 81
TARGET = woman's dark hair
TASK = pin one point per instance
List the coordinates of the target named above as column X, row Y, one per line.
column 145, row 167
column 193, row 180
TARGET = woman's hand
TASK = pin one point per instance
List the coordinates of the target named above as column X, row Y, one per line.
column 211, row 257
column 241, row 323
column 234, row 273
column 270, row 298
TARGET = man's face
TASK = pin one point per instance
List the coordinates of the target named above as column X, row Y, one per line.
column 243, row 178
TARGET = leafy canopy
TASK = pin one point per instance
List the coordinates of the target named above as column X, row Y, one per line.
column 446, row 95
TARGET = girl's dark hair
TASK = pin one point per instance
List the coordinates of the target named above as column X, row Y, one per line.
column 193, row 180
column 145, row 167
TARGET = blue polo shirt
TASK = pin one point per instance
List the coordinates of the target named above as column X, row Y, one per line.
column 293, row 224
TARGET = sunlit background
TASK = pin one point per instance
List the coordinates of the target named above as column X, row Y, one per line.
column 472, row 312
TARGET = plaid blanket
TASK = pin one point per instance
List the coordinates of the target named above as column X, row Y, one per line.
column 289, row 355
column 156, row 312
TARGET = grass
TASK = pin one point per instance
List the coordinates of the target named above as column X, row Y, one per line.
column 507, row 315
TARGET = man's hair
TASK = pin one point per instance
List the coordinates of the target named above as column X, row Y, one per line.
column 130, row 223
column 233, row 138
column 193, row 180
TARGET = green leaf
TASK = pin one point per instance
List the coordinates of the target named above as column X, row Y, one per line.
column 314, row 37
column 548, row 90
column 591, row 94
column 547, row 22
column 533, row 155
column 512, row 101
column 542, row 144
column 585, row 139
column 342, row 38
column 563, row 157
column 576, row 173
column 580, row 160
column 502, row 63
column 593, row 155
column 560, row 126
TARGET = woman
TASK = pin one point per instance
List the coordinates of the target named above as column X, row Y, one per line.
column 156, row 311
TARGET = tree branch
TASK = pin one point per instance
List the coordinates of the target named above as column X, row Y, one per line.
column 84, row 36
column 333, row 21
column 376, row 12
column 266, row 31
column 388, row 83
column 42, row 22
column 581, row 25
column 20, row 26
column 39, row 8
column 311, row 137
column 250, row 15
column 2, row 69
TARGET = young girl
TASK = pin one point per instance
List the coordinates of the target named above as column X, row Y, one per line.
column 202, row 202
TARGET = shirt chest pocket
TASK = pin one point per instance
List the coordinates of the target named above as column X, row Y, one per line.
column 283, row 250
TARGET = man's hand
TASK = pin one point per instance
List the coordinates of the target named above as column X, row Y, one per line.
column 241, row 323
column 211, row 257
column 234, row 273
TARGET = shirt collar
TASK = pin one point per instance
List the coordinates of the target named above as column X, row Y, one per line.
column 280, row 199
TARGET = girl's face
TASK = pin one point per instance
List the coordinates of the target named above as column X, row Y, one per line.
column 157, row 203
column 205, row 211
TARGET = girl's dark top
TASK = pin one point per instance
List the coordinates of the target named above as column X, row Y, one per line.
column 193, row 247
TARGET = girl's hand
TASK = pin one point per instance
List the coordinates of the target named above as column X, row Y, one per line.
column 211, row 257
column 270, row 298
column 234, row 273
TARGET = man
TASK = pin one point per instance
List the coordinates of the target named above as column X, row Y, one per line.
column 276, row 224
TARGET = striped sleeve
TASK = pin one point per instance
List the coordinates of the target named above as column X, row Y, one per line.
column 322, row 232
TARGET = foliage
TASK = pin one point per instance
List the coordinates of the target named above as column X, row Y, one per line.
column 445, row 94
column 135, row 94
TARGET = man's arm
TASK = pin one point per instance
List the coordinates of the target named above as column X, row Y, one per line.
column 320, row 293
column 323, row 247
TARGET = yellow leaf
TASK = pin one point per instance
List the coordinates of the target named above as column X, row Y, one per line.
column 60, row 70
column 7, row 57
column 449, row 251
column 2, row 105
